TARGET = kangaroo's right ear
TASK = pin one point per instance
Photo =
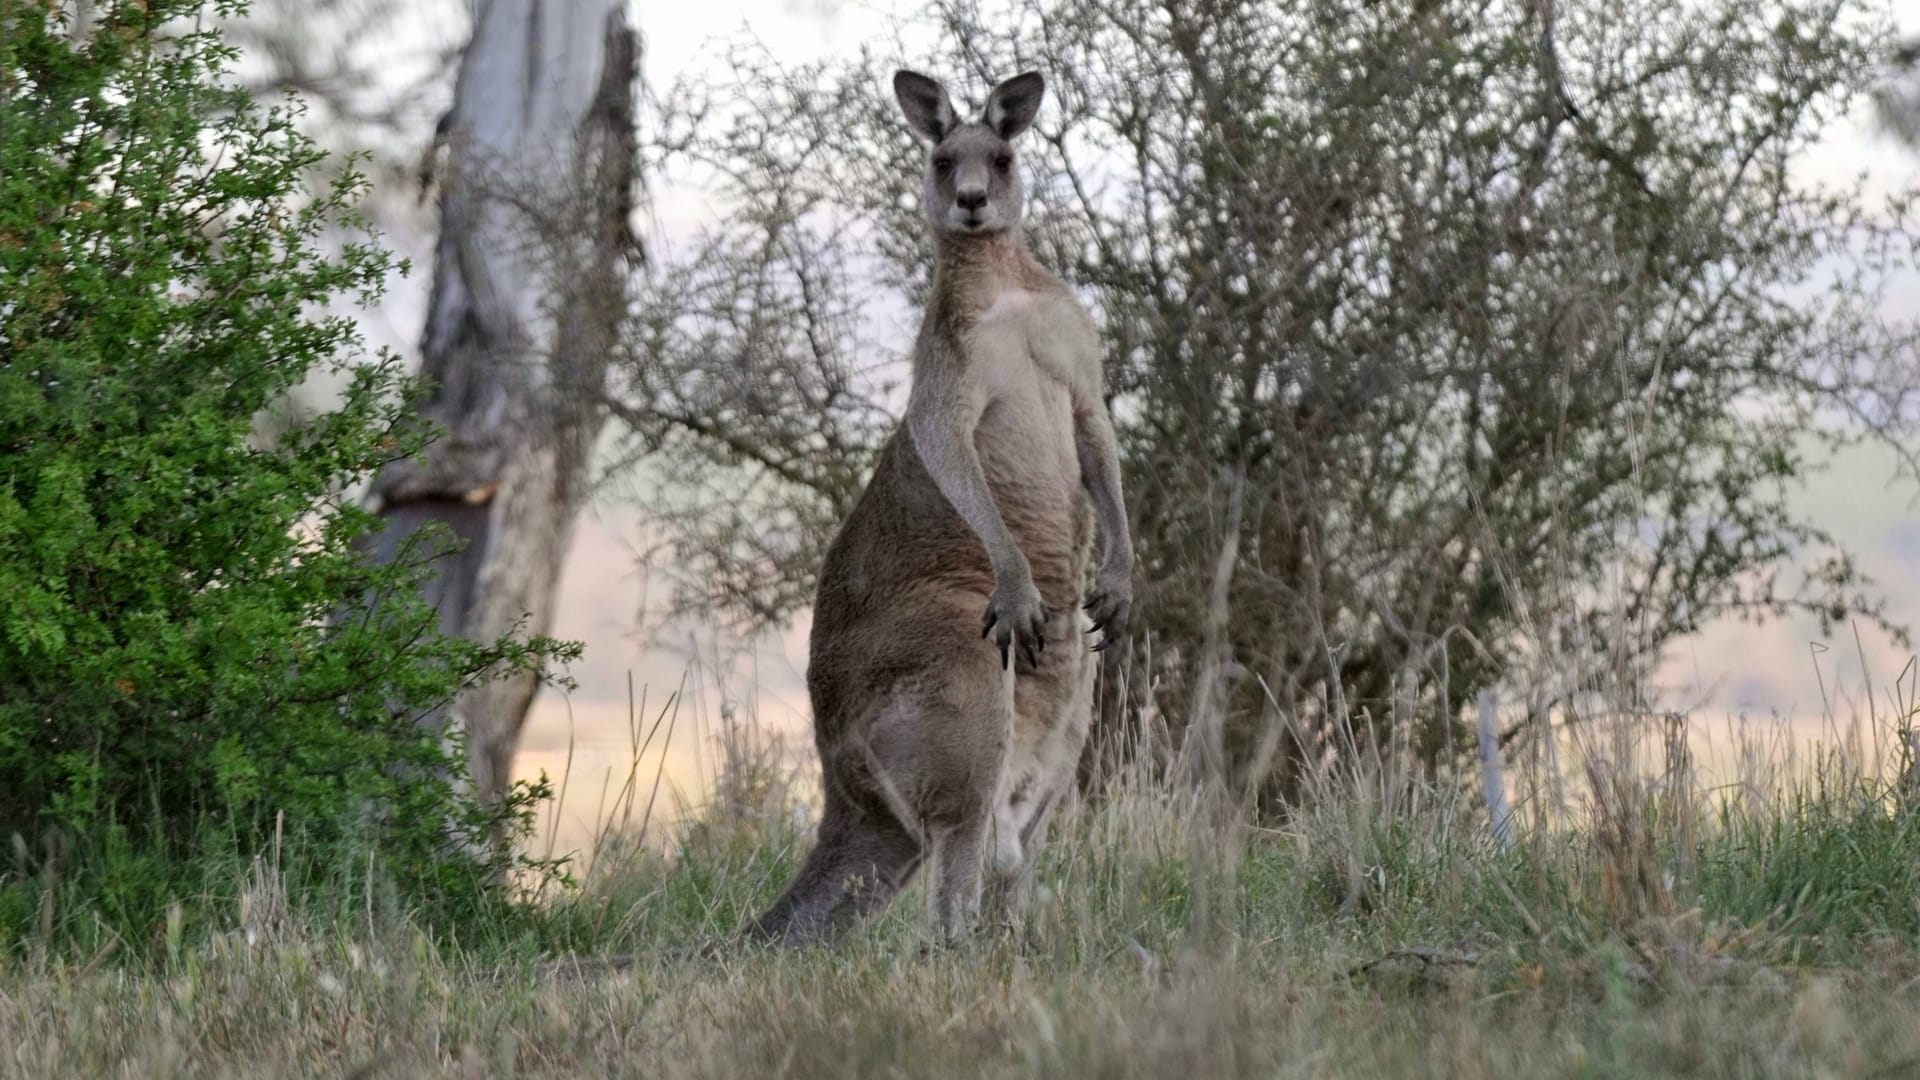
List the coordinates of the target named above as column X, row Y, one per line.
column 925, row 102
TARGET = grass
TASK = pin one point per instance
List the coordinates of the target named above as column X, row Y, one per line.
column 1663, row 928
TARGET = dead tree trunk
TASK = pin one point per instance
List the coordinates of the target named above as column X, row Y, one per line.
column 536, row 182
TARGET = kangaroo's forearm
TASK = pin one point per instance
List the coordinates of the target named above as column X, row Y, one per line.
column 950, row 459
column 1100, row 473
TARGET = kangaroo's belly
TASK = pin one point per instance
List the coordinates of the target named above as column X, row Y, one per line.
column 1026, row 449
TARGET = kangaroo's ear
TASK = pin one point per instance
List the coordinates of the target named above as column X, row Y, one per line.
column 1014, row 103
column 925, row 102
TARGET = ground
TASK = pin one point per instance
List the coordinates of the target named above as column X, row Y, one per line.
column 1381, row 932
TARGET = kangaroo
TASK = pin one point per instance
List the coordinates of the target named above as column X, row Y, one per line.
column 950, row 697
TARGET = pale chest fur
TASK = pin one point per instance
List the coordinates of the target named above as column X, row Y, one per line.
column 1035, row 352
column 1031, row 350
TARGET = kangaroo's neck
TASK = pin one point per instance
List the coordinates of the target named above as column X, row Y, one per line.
column 969, row 271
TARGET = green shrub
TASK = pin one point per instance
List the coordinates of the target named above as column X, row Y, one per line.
column 192, row 657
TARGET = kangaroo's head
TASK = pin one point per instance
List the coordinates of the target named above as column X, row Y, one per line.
column 972, row 186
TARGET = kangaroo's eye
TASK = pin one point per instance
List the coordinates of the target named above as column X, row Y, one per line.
column 943, row 165
column 1003, row 162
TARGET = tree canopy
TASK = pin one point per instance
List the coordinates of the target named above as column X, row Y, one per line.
column 1496, row 335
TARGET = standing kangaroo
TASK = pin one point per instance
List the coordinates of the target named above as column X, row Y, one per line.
column 935, row 742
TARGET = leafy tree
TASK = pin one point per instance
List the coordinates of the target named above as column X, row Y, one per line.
column 1452, row 344
column 176, row 677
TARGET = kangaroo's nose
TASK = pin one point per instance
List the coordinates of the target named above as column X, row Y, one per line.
column 971, row 198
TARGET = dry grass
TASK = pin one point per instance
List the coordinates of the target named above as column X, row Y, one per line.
column 1383, row 932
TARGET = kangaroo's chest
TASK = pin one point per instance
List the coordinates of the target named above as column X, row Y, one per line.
column 1027, row 343
column 1028, row 347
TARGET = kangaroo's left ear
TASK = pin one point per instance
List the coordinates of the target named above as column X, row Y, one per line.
column 1014, row 103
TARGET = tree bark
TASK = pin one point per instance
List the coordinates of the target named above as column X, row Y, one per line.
column 529, row 289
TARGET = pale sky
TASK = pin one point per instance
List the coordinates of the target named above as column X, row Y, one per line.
column 1729, row 671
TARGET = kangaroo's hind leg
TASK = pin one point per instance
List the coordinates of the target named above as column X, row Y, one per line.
column 957, row 876
column 1011, row 882
column 940, row 755
column 863, row 857
column 1041, row 774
